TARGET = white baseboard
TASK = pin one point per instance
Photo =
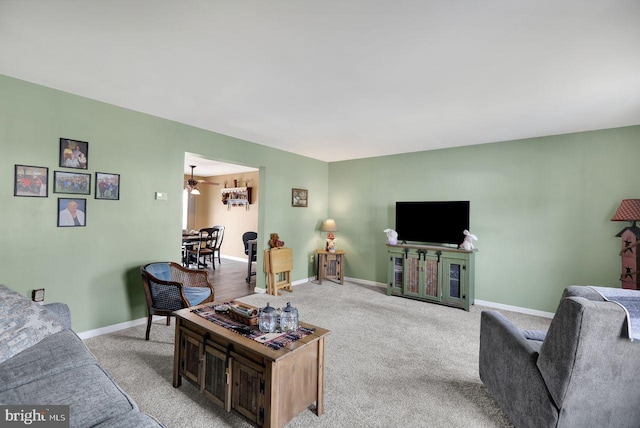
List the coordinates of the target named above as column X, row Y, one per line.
column 116, row 327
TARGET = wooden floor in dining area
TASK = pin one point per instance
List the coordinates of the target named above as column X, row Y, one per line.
column 229, row 279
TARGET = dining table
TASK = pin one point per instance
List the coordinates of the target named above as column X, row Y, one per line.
column 189, row 240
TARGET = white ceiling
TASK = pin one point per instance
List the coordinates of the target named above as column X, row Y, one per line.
column 205, row 167
column 341, row 79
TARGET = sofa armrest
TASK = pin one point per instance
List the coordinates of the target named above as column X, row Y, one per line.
column 508, row 369
column 62, row 311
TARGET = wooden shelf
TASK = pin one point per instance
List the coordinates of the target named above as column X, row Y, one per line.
column 236, row 196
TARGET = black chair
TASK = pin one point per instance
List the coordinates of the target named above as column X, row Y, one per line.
column 204, row 248
column 246, row 237
column 218, row 243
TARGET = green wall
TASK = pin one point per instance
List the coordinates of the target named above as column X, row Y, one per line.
column 541, row 209
column 95, row 269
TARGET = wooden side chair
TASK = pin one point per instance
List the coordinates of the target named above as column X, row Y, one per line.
column 218, row 243
column 169, row 287
column 204, row 248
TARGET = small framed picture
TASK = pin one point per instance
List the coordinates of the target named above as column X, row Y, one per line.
column 31, row 181
column 107, row 186
column 72, row 212
column 299, row 197
column 71, row 182
column 74, row 153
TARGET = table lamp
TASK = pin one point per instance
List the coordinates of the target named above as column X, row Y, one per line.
column 629, row 210
column 330, row 226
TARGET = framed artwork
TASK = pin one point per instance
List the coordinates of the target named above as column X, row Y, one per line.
column 31, row 181
column 107, row 186
column 72, row 212
column 74, row 153
column 71, row 182
column 299, row 197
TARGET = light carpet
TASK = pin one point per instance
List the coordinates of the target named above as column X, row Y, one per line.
column 390, row 361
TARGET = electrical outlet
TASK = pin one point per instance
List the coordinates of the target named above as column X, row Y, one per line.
column 37, row 295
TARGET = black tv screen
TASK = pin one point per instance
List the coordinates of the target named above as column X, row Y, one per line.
column 432, row 222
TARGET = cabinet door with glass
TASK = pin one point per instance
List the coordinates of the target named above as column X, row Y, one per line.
column 454, row 284
column 395, row 280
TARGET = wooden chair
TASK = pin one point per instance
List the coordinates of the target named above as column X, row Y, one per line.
column 204, row 248
column 246, row 237
column 169, row 287
column 218, row 243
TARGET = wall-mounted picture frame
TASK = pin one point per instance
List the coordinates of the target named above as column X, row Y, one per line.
column 31, row 181
column 71, row 182
column 74, row 153
column 299, row 197
column 72, row 212
column 107, row 186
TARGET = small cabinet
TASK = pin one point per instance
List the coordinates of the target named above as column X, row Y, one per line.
column 431, row 273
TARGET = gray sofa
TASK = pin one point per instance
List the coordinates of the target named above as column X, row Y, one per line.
column 583, row 372
column 43, row 362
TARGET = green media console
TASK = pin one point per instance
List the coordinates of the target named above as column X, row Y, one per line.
column 431, row 273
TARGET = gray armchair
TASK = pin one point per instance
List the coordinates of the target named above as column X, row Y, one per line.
column 583, row 372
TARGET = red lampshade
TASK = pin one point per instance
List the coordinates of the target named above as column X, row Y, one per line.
column 629, row 210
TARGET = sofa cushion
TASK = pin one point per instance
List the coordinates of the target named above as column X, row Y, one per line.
column 54, row 354
column 92, row 396
column 23, row 323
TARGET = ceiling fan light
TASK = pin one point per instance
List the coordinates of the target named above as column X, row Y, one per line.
column 195, row 192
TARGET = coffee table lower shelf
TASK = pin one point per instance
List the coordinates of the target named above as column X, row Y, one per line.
column 268, row 387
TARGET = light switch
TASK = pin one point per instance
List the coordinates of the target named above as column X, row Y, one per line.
column 161, row 196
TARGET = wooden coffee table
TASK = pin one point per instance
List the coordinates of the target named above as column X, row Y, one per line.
column 269, row 387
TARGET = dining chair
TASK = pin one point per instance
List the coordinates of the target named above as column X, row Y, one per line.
column 246, row 237
column 204, row 247
column 218, row 243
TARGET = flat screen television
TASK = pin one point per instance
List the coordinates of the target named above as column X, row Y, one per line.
column 438, row 222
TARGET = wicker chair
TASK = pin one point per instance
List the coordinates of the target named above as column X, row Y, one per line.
column 169, row 287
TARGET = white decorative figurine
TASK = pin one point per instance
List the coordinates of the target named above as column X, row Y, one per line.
column 467, row 244
column 392, row 236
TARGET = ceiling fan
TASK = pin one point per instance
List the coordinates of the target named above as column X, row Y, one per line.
column 192, row 184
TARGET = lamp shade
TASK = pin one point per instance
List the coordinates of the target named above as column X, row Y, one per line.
column 329, row 226
column 195, row 192
column 629, row 210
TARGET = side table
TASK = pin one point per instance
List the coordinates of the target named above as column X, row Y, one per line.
column 330, row 265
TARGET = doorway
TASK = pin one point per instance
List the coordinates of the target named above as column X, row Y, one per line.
column 209, row 207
